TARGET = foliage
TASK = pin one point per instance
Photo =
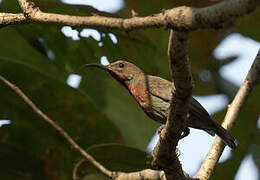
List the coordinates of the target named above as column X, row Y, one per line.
column 100, row 111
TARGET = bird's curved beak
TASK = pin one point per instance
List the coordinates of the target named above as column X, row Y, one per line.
column 95, row 65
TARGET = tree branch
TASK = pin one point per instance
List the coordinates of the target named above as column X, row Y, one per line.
column 165, row 156
column 141, row 175
column 9, row 18
column 58, row 128
column 252, row 79
column 181, row 18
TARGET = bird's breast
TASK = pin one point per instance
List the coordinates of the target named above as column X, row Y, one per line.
column 140, row 94
column 154, row 107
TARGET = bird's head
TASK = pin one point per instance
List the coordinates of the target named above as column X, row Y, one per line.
column 122, row 71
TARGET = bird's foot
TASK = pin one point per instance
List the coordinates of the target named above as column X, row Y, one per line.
column 159, row 130
column 185, row 133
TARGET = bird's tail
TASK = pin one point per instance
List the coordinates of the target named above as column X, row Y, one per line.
column 200, row 119
column 225, row 136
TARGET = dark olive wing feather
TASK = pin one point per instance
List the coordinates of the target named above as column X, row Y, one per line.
column 200, row 117
column 162, row 88
column 159, row 87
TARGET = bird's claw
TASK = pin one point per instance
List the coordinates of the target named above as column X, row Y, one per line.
column 185, row 133
column 159, row 130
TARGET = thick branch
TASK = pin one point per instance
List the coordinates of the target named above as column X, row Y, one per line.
column 164, row 153
column 252, row 79
column 181, row 18
column 58, row 128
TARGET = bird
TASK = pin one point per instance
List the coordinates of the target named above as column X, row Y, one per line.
column 154, row 94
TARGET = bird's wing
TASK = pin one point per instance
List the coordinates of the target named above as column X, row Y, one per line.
column 162, row 89
column 198, row 110
column 159, row 87
column 200, row 117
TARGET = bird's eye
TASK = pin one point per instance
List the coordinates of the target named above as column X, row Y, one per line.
column 121, row 65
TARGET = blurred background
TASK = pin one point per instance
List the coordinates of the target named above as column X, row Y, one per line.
column 44, row 60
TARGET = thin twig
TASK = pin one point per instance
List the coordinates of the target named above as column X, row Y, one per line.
column 252, row 79
column 75, row 169
column 180, row 18
column 57, row 127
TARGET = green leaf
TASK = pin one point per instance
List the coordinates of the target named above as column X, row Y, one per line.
column 16, row 50
column 101, row 110
column 248, row 25
column 255, row 149
column 69, row 108
column 19, row 164
column 95, row 176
